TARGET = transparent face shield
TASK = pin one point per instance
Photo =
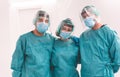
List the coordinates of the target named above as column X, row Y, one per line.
column 89, row 13
column 46, row 19
column 82, row 22
column 93, row 13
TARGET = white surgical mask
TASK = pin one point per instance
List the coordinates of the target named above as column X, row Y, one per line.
column 65, row 35
column 89, row 22
column 42, row 27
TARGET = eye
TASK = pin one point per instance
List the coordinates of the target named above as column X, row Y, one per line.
column 40, row 20
column 46, row 21
column 70, row 29
column 63, row 28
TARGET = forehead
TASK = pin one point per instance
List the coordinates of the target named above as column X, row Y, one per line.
column 42, row 18
column 65, row 26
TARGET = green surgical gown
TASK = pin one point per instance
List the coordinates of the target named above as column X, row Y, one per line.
column 100, row 52
column 65, row 59
column 31, row 57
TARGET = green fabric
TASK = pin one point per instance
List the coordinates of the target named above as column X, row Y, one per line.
column 64, row 59
column 32, row 56
column 100, row 52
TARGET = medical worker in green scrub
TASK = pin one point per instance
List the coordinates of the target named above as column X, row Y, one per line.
column 65, row 52
column 99, row 46
column 31, row 57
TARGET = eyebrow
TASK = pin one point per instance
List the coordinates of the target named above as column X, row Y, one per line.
column 43, row 15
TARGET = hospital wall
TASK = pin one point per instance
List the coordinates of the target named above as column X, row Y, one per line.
column 5, row 52
column 16, row 21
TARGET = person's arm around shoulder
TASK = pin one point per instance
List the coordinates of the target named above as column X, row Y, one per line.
column 77, row 40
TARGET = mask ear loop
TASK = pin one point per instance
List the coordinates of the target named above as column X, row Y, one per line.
column 49, row 28
column 82, row 22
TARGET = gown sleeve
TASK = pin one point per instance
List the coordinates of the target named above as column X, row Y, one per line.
column 18, row 58
column 115, row 52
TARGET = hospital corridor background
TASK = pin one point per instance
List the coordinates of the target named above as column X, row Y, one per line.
column 17, row 18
